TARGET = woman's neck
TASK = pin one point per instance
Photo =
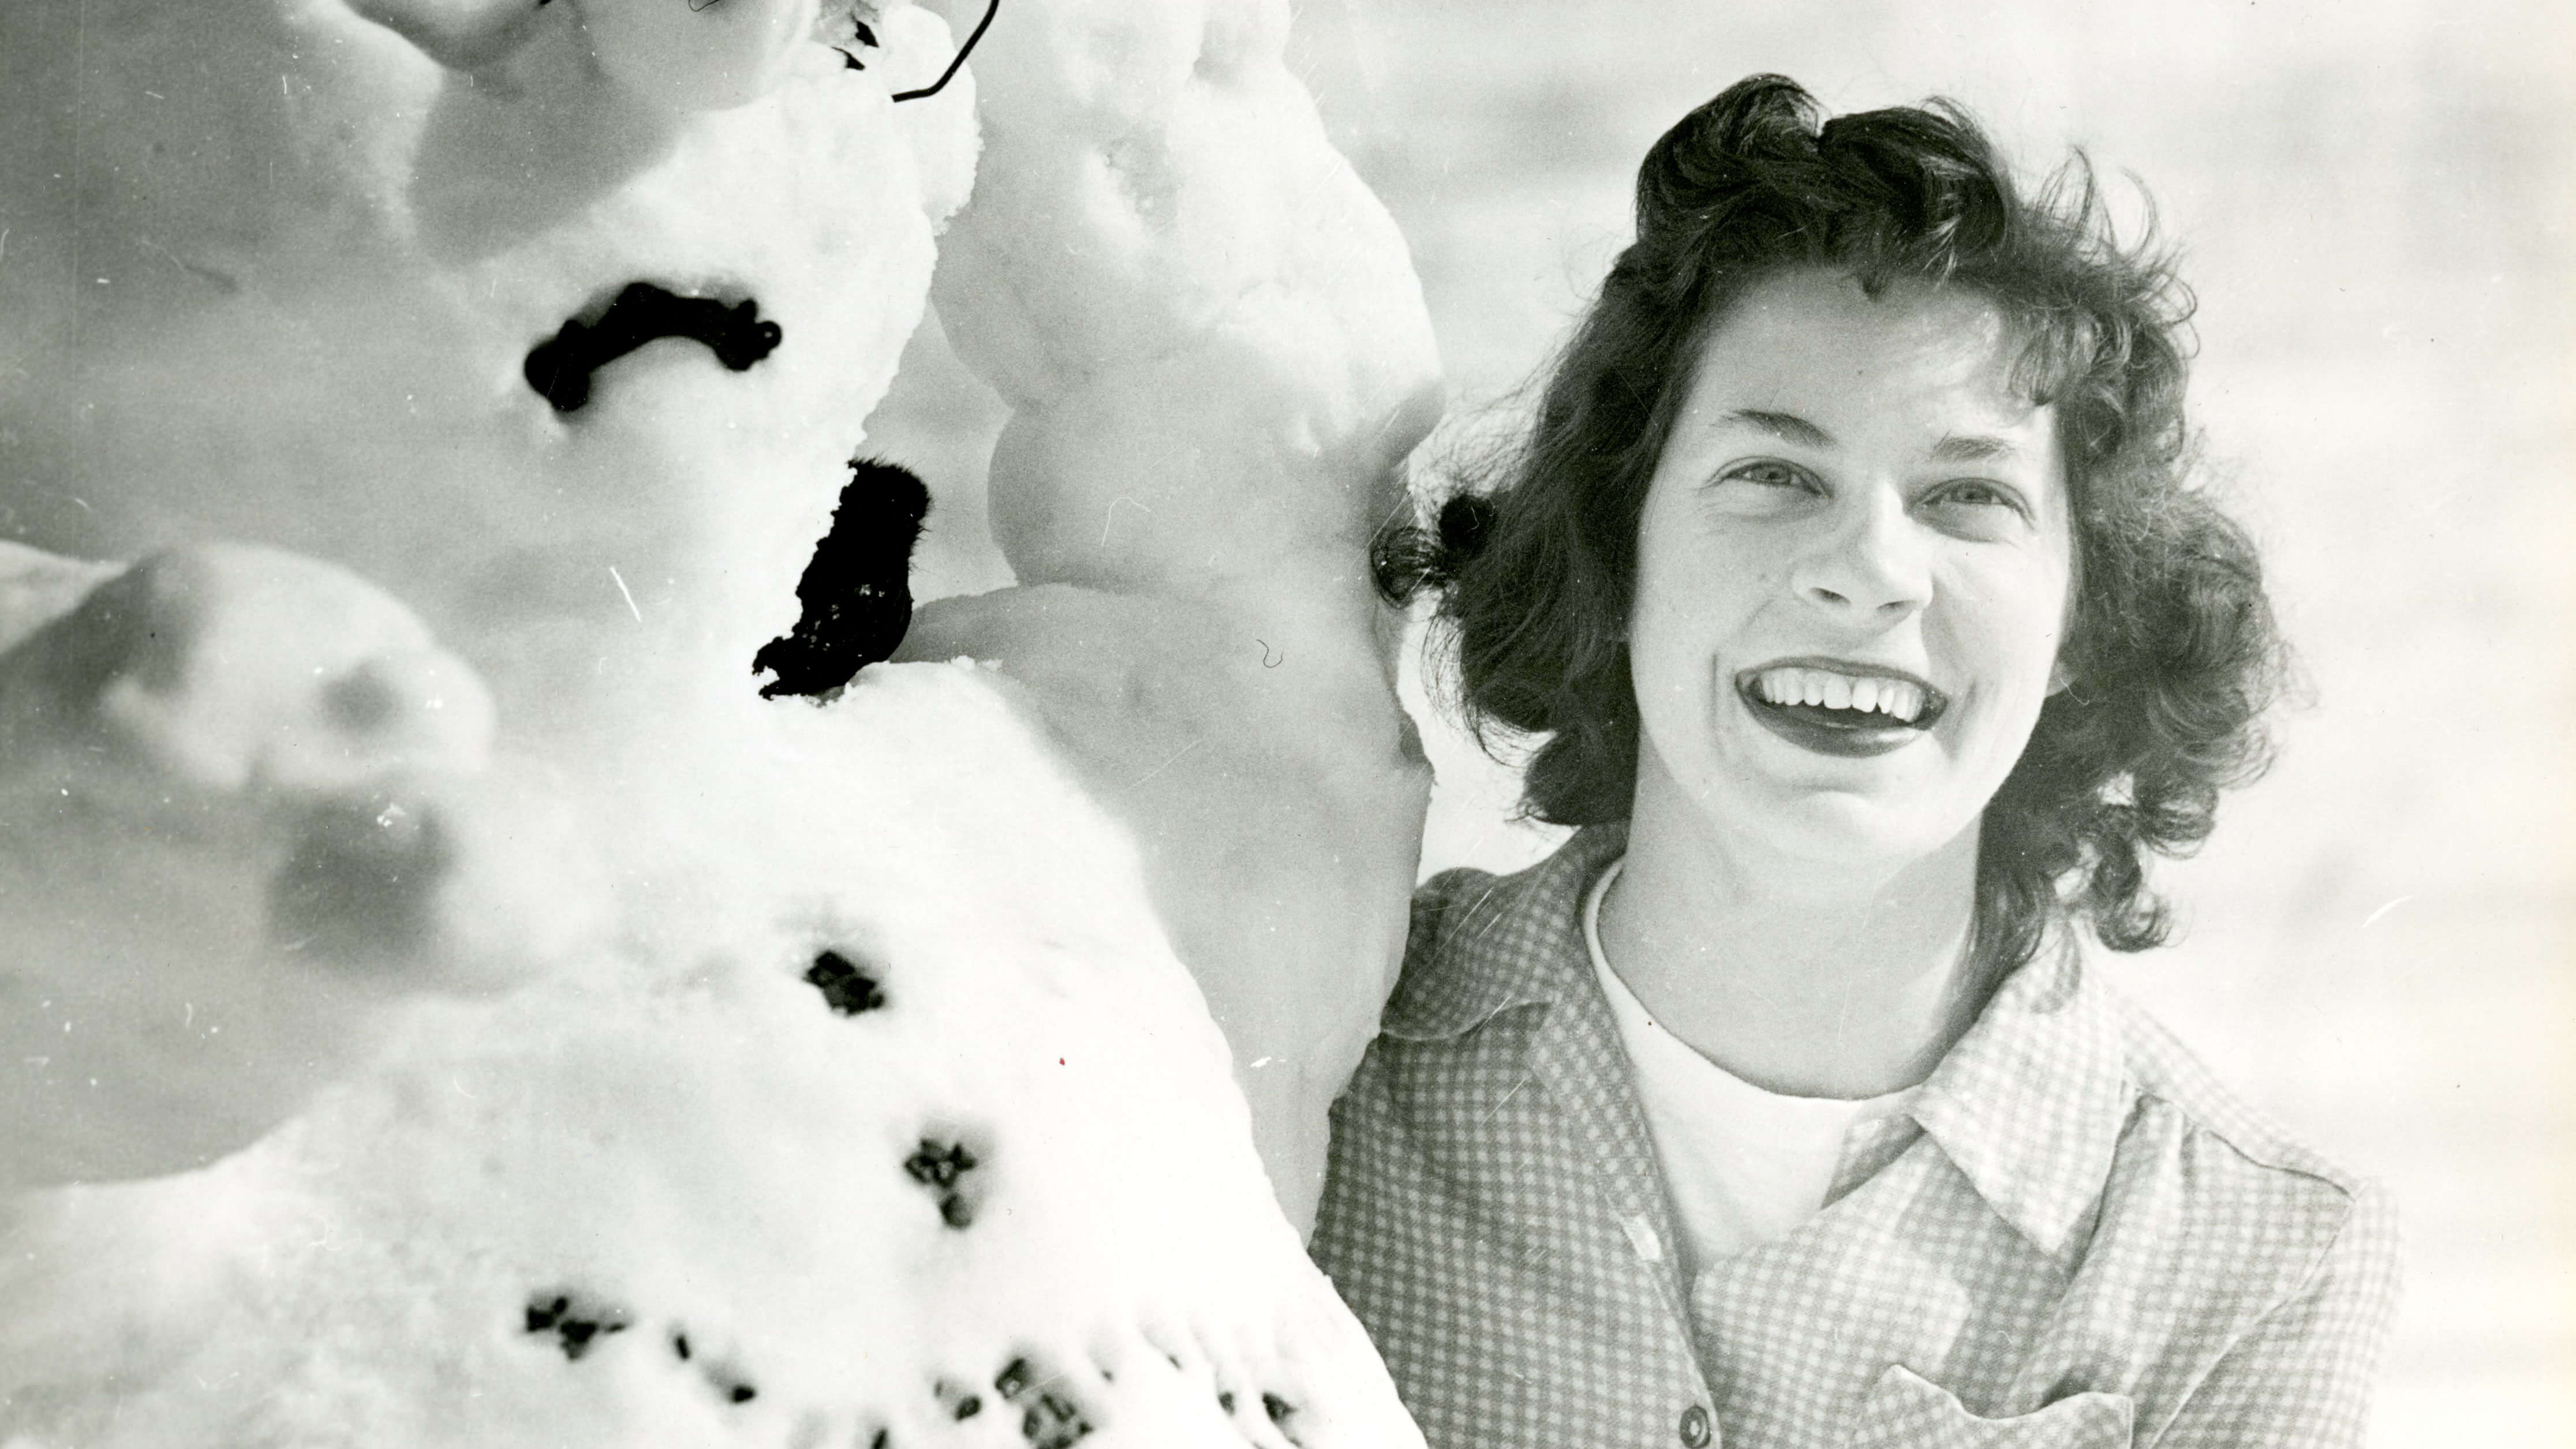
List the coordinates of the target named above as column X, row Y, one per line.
column 1817, row 983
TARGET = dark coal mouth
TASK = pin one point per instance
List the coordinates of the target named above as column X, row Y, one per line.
column 560, row 368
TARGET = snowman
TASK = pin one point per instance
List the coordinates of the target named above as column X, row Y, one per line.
column 450, row 1001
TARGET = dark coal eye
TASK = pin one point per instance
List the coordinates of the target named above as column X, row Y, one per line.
column 848, row 988
column 574, row 1319
column 946, row 1168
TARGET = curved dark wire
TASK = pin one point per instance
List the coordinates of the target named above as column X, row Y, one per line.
column 932, row 89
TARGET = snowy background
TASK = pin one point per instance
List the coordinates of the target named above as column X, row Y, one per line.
column 2378, row 204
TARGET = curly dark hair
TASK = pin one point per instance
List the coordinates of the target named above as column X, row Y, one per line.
column 2172, row 655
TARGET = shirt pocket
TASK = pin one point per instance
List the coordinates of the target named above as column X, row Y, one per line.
column 1904, row 1410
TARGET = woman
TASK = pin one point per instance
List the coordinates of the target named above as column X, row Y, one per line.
column 1851, row 581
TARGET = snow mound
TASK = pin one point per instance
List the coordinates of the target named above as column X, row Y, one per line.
column 914, row 1133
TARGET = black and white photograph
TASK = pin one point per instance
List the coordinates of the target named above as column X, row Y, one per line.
column 1293, row 723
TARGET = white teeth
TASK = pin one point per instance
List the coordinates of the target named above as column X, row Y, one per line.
column 1898, row 698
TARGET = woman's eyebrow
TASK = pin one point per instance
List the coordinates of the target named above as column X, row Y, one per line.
column 1973, row 449
column 1788, row 427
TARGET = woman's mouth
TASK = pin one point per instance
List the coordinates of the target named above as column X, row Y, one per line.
column 1836, row 708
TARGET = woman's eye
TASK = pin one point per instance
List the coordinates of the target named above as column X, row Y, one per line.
column 1768, row 475
column 1763, row 488
column 1975, row 493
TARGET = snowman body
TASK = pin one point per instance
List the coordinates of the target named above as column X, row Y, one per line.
column 858, row 1096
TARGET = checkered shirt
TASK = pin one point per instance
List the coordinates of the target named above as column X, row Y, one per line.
column 2074, row 1238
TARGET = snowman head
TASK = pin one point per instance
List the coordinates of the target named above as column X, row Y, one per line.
column 556, row 318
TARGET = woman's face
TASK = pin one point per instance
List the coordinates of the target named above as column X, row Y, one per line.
column 1853, row 573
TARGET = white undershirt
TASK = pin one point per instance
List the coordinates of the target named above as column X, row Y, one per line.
column 1744, row 1165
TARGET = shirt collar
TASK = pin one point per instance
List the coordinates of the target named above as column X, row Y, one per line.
column 2029, row 1105
column 1500, row 942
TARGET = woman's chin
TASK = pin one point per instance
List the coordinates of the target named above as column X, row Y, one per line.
column 1873, row 821
column 1856, row 833
column 1887, row 797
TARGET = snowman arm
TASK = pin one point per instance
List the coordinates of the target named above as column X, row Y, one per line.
column 1217, row 357
column 245, row 826
column 1275, row 793
column 1208, row 330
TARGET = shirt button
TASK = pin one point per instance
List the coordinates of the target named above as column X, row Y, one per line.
column 1643, row 1238
column 1695, row 1427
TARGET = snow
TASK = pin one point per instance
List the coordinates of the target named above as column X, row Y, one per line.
column 1216, row 356
column 682, row 1130
column 670, row 1190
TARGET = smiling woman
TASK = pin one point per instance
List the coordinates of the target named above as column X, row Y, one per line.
column 1856, row 592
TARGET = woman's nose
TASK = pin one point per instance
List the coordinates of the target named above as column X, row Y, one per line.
column 1870, row 563
column 674, row 55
